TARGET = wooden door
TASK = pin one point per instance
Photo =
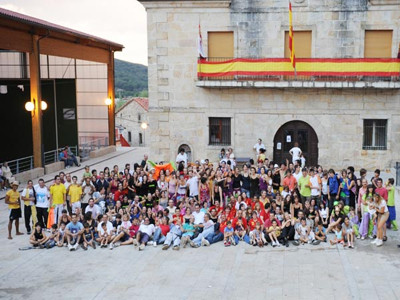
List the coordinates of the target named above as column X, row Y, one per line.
column 300, row 132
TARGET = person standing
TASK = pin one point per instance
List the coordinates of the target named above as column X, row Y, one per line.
column 304, row 186
column 14, row 206
column 58, row 197
column 42, row 202
column 28, row 196
column 181, row 157
column 295, row 152
column 259, row 145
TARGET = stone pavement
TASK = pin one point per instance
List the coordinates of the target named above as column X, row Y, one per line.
column 216, row 272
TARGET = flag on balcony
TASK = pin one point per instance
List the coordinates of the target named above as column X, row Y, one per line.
column 200, row 45
column 291, row 43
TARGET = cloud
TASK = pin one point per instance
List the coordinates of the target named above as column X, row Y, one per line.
column 120, row 21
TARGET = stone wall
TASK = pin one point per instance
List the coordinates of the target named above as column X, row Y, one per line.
column 128, row 117
column 179, row 110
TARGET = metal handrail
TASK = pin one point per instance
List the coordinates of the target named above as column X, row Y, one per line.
column 26, row 163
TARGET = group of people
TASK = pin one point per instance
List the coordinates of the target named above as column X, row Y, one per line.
column 200, row 204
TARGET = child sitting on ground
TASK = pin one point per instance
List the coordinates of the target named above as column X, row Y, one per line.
column 338, row 235
column 228, row 235
column 61, row 235
column 240, row 232
column 348, row 234
column 320, row 232
column 38, row 237
column 52, row 241
column 304, row 233
column 88, row 238
column 274, row 232
column 187, row 231
column 257, row 238
column 104, row 235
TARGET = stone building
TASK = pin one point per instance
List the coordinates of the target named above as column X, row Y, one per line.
column 342, row 106
column 129, row 119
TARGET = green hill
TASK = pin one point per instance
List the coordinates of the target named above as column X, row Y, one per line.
column 130, row 79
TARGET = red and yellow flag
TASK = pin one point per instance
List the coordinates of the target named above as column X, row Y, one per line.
column 291, row 42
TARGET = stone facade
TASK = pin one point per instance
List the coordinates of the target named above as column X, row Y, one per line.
column 129, row 117
column 179, row 107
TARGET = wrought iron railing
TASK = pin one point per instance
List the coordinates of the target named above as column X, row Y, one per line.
column 307, row 69
column 26, row 163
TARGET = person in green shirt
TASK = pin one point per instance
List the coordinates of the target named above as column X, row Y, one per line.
column 87, row 173
column 304, row 186
column 391, row 222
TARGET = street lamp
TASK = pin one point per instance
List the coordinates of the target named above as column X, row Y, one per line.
column 108, row 101
column 144, row 125
column 30, row 106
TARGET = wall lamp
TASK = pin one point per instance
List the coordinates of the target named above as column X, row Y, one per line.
column 30, row 106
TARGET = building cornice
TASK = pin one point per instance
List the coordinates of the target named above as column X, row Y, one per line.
column 151, row 4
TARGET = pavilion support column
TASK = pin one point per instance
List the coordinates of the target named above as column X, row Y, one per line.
column 36, row 96
column 111, row 95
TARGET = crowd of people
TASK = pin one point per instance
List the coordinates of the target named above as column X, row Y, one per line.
column 203, row 203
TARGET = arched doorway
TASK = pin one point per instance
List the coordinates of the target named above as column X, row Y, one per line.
column 300, row 132
column 188, row 151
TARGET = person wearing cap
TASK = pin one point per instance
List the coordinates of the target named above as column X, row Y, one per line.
column 14, row 206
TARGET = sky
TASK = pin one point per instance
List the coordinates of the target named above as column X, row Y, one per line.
column 120, row 21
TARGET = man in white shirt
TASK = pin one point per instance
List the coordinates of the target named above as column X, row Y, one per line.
column 42, row 202
column 198, row 215
column 93, row 208
column 110, row 226
column 181, row 157
column 144, row 234
column 295, row 152
column 193, row 184
column 259, row 146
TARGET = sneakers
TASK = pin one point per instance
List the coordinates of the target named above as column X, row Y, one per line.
column 150, row 243
column 363, row 238
column 204, row 242
column 192, row 244
column 141, row 247
column 370, row 236
column 175, row 247
column 70, row 248
column 84, row 247
column 296, row 243
column 75, row 246
column 154, row 244
column 379, row 243
column 135, row 243
column 316, row 242
column 227, row 244
column 111, row 246
column 374, row 241
column 165, row 247
column 94, row 245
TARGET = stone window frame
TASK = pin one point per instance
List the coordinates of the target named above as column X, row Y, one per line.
column 373, row 147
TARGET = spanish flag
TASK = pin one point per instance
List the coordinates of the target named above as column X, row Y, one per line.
column 291, row 42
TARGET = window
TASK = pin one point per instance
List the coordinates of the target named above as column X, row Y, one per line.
column 378, row 44
column 220, row 131
column 139, row 117
column 140, row 139
column 375, row 132
column 220, row 44
column 302, row 44
column 129, row 136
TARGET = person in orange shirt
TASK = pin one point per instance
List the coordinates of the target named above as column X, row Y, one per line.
column 290, row 181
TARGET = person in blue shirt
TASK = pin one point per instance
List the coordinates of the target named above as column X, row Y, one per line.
column 73, row 232
column 333, row 189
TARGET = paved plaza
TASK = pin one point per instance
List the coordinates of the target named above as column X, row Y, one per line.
column 215, row 272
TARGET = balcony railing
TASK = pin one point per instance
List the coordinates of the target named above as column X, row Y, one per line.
column 307, row 69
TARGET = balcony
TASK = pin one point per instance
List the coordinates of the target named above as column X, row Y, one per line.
column 354, row 73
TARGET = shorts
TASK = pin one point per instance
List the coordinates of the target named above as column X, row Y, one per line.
column 125, row 237
column 392, row 213
column 14, row 214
